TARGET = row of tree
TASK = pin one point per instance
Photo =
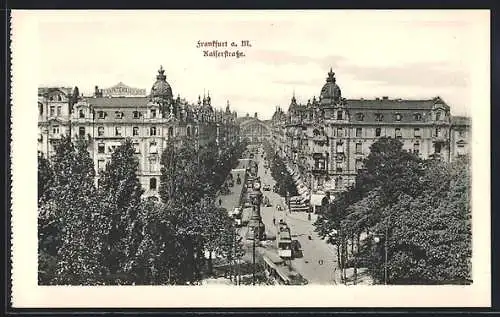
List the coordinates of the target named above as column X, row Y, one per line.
column 407, row 220
column 279, row 172
column 108, row 234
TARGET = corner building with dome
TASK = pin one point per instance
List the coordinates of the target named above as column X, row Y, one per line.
column 151, row 122
column 325, row 140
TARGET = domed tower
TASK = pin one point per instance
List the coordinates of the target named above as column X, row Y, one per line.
column 161, row 91
column 330, row 93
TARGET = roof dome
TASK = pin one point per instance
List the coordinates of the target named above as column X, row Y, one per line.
column 161, row 89
column 331, row 90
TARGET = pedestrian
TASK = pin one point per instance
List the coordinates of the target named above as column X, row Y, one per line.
column 274, row 221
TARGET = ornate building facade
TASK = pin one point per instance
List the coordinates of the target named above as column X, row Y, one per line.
column 326, row 139
column 151, row 122
column 254, row 130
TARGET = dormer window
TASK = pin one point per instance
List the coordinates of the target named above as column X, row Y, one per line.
column 418, row 117
column 118, row 115
column 360, row 116
column 81, row 114
column 438, row 115
column 101, row 114
column 153, row 113
column 339, row 115
column 379, row 117
column 397, row 117
column 137, row 114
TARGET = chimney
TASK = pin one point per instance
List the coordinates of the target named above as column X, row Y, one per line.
column 385, row 97
column 377, row 98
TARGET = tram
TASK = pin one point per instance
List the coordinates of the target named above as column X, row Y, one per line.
column 284, row 241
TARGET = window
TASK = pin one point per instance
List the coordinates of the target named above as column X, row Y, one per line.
column 436, row 132
column 358, row 132
column 153, row 148
column 461, row 133
column 360, row 116
column 152, row 164
column 359, row 164
column 398, row 133
column 319, row 164
column 339, row 115
column 416, row 132
column 152, row 131
column 100, row 148
column 339, row 167
column 101, row 165
column 135, row 131
column 52, row 110
column 152, row 183
column 418, row 117
column 55, row 129
column 118, row 115
column 437, row 148
column 188, row 132
column 40, row 109
column 58, row 110
column 81, row 114
column 460, row 149
column 137, row 114
column 379, row 117
column 118, row 131
column 101, row 114
column 378, row 131
column 171, row 131
column 100, row 131
column 195, row 131
column 340, row 132
column 359, row 148
column 136, row 148
column 416, row 148
column 340, row 148
column 397, row 117
column 153, row 113
column 438, row 115
column 81, row 131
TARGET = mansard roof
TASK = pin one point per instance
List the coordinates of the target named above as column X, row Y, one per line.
column 392, row 104
column 118, row 102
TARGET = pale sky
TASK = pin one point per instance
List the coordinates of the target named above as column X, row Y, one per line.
column 400, row 54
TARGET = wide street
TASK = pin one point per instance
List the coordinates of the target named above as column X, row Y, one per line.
column 318, row 262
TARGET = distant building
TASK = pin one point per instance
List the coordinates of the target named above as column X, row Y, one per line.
column 150, row 121
column 326, row 139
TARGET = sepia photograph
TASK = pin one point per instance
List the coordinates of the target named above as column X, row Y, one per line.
column 251, row 151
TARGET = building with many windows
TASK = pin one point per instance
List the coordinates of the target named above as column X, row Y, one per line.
column 326, row 139
column 150, row 121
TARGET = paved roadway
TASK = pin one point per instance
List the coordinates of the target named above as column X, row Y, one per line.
column 313, row 251
column 318, row 264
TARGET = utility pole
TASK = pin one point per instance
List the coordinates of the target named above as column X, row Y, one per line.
column 253, row 260
column 385, row 253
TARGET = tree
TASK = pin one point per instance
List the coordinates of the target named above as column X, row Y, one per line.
column 418, row 210
column 120, row 194
column 74, row 205
column 45, row 176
